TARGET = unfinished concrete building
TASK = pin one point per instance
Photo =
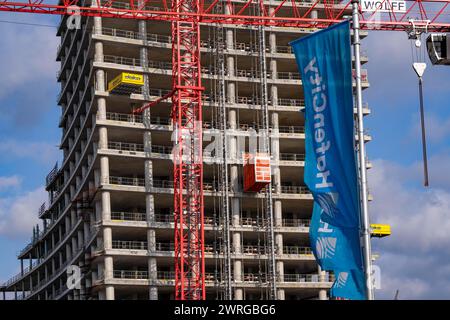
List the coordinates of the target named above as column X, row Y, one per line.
column 110, row 208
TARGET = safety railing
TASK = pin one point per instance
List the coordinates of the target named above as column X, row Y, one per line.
column 165, row 246
column 124, row 117
column 125, row 146
column 130, row 274
column 254, row 249
column 165, row 184
column 113, row 32
column 254, row 277
column 296, row 250
column 294, row 189
column 284, row 49
column 159, row 38
column 128, row 216
column 211, row 277
column 285, row 222
column 134, row 62
column 291, row 129
column 300, row 278
column 129, row 245
column 252, row 222
column 166, row 66
column 127, row 181
column 163, row 218
column 284, row 156
column 291, row 102
column 162, row 149
column 288, row 75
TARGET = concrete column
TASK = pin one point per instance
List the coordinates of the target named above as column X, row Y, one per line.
column 152, row 264
column 98, row 57
column 273, row 42
column 74, row 246
column 273, row 68
column 67, row 224
column 148, row 163
column 60, row 233
column 275, row 150
column 109, row 293
column 21, row 267
column 104, row 168
column 237, row 247
column 68, row 252
column 103, row 138
column 231, row 93
column 101, row 107
column 98, row 210
column 238, row 292
column 322, row 292
column 46, row 272
column 229, row 38
column 80, row 238
column 106, row 206
column 277, row 210
column 73, row 218
column 274, row 95
column 150, row 213
column 97, row 21
column 107, row 238
column 279, row 243
column 109, row 268
column 281, row 294
column 142, row 25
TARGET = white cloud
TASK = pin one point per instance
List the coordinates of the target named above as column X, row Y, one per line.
column 437, row 127
column 19, row 214
column 414, row 258
column 9, row 182
column 40, row 151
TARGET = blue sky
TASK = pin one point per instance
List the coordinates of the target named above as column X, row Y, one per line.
column 413, row 260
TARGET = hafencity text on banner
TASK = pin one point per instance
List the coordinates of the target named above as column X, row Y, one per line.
column 324, row 61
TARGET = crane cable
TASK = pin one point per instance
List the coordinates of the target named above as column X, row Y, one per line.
column 419, row 66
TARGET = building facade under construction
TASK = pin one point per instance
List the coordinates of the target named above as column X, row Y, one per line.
column 109, row 217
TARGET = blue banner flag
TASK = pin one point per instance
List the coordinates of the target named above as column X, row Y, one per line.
column 324, row 61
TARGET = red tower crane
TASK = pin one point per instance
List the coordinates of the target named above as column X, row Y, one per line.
column 186, row 94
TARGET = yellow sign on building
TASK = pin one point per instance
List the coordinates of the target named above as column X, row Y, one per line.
column 126, row 83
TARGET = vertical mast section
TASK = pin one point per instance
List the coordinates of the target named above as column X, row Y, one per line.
column 187, row 154
column 271, row 276
column 224, row 185
column 364, row 219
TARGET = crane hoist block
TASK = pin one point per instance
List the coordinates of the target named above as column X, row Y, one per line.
column 126, row 83
column 380, row 230
column 256, row 172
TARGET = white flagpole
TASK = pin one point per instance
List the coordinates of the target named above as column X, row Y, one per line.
column 364, row 219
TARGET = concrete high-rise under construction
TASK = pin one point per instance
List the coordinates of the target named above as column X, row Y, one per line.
column 109, row 217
